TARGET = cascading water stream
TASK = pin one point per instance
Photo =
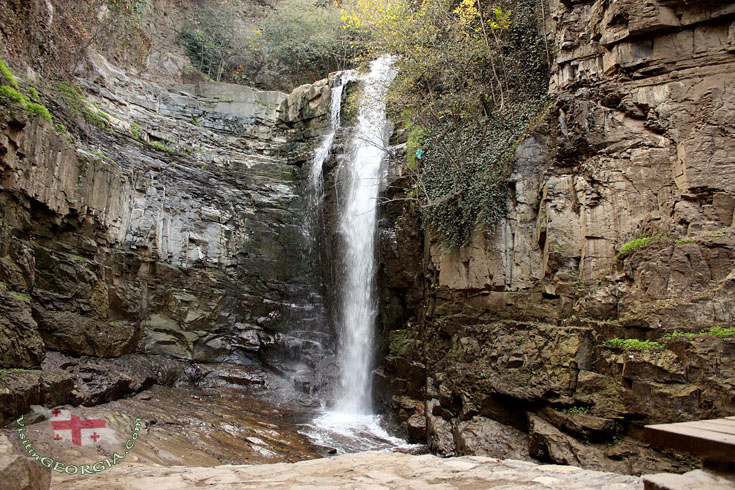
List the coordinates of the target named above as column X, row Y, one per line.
column 351, row 425
column 357, row 228
column 315, row 189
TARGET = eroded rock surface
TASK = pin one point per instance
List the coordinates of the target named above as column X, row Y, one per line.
column 20, row 472
column 171, row 233
column 361, row 470
column 179, row 427
column 638, row 142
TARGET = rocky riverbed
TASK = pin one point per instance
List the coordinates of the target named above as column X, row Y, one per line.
column 179, row 427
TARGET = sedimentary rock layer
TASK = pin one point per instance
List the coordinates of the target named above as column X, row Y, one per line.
column 638, row 142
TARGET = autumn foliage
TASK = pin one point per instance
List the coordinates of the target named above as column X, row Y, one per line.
column 472, row 78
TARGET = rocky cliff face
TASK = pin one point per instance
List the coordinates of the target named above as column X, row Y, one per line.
column 501, row 344
column 170, row 232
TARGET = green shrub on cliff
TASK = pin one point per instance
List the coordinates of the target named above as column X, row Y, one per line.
column 473, row 77
column 633, row 245
column 684, row 241
column 721, row 332
column 79, row 105
column 32, row 109
column 633, row 344
column 160, row 146
column 135, row 130
column 8, row 92
column 38, row 110
column 8, row 75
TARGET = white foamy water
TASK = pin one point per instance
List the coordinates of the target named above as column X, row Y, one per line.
column 358, row 310
column 349, row 433
column 352, row 426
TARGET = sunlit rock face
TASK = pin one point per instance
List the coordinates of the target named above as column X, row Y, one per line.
column 638, row 142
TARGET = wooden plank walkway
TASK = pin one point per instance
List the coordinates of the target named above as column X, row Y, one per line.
column 713, row 440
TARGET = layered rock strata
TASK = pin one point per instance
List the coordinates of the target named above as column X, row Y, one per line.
column 174, row 231
column 637, row 143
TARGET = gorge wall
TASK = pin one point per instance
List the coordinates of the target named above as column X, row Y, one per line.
column 498, row 348
column 162, row 227
column 165, row 233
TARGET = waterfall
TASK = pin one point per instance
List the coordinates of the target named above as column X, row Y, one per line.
column 357, row 229
column 315, row 186
column 351, row 425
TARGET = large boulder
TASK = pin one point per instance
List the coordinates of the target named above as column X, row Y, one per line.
column 547, row 443
column 19, row 472
column 306, row 102
column 482, row 436
column 20, row 389
column 72, row 332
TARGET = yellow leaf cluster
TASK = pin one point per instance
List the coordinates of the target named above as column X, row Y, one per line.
column 372, row 15
column 467, row 11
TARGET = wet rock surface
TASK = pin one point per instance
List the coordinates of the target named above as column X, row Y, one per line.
column 229, row 424
column 180, row 427
column 22, row 344
column 362, row 470
column 170, row 233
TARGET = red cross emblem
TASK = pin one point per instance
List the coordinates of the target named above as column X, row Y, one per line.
column 75, row 425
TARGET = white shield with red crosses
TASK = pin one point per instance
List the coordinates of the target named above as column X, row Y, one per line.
column 79, row 431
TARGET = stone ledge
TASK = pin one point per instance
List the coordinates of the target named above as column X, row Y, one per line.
column 693, row 480
column 361, row 470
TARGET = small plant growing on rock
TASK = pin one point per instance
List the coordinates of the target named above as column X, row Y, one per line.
column 678, row 335
column 719, row 233
column 8, row 75
column 160, row 146
column 20, row 297
column 101, row 155
column 398, row 343
column 32, row 109
column 81, row 106
column 633, row 245
column 576, row 410
column 633, row 344
column 5, row 372
column 721, row 332
column 135, row 130
column 38, row 110
column 11, row 93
